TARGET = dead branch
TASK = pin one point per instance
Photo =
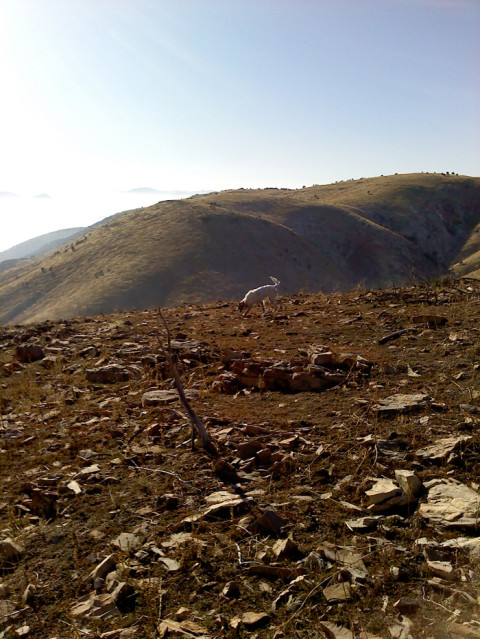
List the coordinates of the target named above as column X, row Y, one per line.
column 197, row 425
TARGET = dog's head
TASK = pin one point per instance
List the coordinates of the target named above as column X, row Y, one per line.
column 241, row 305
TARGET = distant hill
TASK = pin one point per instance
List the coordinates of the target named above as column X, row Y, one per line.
column 41, row 244
column 146, row 190
column 372, row 232
column 6, row 264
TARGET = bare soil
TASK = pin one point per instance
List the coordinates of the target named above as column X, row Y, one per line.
column 136, row 472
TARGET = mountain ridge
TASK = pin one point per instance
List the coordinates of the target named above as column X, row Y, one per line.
column 372, row 232
column 40, row 244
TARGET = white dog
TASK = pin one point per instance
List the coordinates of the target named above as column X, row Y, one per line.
column 258, row 295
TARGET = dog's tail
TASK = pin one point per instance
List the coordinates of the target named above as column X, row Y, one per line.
column 275, row 281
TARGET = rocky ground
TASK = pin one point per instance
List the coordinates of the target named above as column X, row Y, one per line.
column 340, row 497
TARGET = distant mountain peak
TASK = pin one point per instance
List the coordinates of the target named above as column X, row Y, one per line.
column 143, row 189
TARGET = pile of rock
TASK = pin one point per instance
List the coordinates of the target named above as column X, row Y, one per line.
column 316, row 369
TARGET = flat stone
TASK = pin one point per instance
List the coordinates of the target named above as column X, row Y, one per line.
column 470, row 544
column 444, row 570
column 442, row 448
column 171, row 565
column 253, row 620
column 108, row 374
column 345, row 555
column 93, row 605
column 401, row 403
column 220, row 509
column 127, row 542
column 364, row 524
column 401, row 629
column 88, row 470
column 161, row 397
column 337, row 593
column 190, row 629
column 386, row 494
column 451, row 504
column 249, row 449
column 75, row 486
column 220, row 497
column 324, row 358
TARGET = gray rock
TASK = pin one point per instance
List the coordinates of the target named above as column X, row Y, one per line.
column 127, row 542
column 443, row 448
column 161, row 397
column 10, row 551
column 93, row 605
column 451, row 504
column 111, row 374
column 386, row 494
column 444, row 570
column 103, row 568
column 29, row 353
column 401, row 403
column 409, row 482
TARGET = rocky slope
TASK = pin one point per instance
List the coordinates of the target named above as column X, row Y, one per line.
column 341, row 498
column 374, row 232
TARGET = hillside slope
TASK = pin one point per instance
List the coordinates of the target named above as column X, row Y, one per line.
column 41, row 244
column 374, row 232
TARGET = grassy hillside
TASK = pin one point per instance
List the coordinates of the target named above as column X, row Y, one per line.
column 372, row 232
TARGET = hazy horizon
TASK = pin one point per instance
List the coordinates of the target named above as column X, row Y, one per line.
column 103, row 97
column 75, row 209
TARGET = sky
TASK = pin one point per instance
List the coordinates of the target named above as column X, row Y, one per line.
column 100, row 97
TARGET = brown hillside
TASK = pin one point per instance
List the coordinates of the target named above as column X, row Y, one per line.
column 337, row 512
column 373, row 232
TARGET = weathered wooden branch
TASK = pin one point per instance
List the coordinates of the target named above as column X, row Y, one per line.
column 197, row 425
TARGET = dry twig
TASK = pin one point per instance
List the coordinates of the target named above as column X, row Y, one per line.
column 197, row 425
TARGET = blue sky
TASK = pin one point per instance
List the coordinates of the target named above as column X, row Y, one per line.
column 103, row 96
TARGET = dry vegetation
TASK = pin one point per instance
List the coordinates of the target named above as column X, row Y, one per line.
column 82, row 461
column 373, row 232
